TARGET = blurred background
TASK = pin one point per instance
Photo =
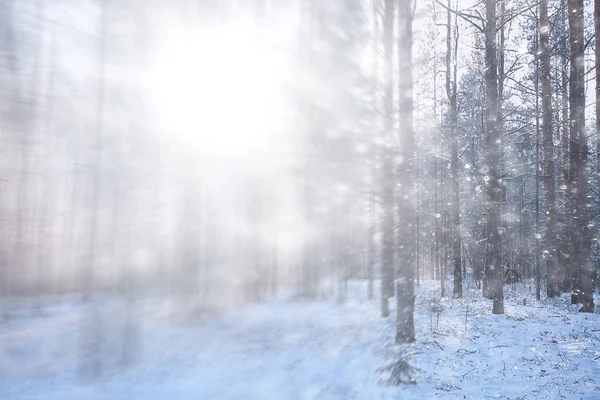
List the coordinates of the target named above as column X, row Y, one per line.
column 210, row 151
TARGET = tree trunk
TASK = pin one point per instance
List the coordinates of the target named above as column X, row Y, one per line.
column 583, row 266
column 597, row 34
column 538, row 269
column 553, row 278
column 507, row 225
column 565, row 242
column 417, row 212
column 435, row 273
column 451, row 74
column 493, row 159
column 436, row 222
column 577, row 122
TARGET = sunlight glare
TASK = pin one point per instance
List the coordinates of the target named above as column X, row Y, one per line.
column 220, row 91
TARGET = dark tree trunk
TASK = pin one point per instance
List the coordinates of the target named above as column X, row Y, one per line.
column 493, row 160
column 597, row 34
column 574, row 129
column 538, row 269
column 565, row 241
column 553, row 278
column 577, row 122
column 435, row 273
column 506, row 225
column 451, row 75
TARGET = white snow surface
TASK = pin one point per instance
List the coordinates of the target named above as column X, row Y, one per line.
column 288, row 348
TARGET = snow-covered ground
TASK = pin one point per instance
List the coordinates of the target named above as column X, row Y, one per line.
column 294, row 349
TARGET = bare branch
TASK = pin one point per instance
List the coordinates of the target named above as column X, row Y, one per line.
column 465, row 16
column 515, row 13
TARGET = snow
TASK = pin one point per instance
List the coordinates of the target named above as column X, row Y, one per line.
column 290, row 348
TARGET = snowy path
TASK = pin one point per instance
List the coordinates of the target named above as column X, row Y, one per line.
column 281, row 350
column 320, row 350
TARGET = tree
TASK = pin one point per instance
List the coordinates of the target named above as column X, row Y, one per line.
column 581, row 267
column 494, row 187
column 553, row 278
column 538, row 267
column 451, row 92
column 597, row 65
column 564, row 239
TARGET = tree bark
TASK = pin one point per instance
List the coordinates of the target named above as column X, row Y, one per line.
column 584, row 218
column 553, row 278
column 451, row 74
column 564, row 170
column 577, row 121
column 538, row 269
column 435, row 271
column 597, row 63
column 494, row 187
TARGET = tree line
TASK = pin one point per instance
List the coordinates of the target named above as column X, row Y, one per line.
column 521, row 202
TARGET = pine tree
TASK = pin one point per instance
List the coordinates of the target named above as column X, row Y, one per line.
column 581, row 267
column 451, row 92
column 493, row 158
column 553, row 286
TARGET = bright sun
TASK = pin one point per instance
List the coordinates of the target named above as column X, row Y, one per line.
column 220, row 91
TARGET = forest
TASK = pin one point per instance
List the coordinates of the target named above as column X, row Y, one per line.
column 299, row 199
